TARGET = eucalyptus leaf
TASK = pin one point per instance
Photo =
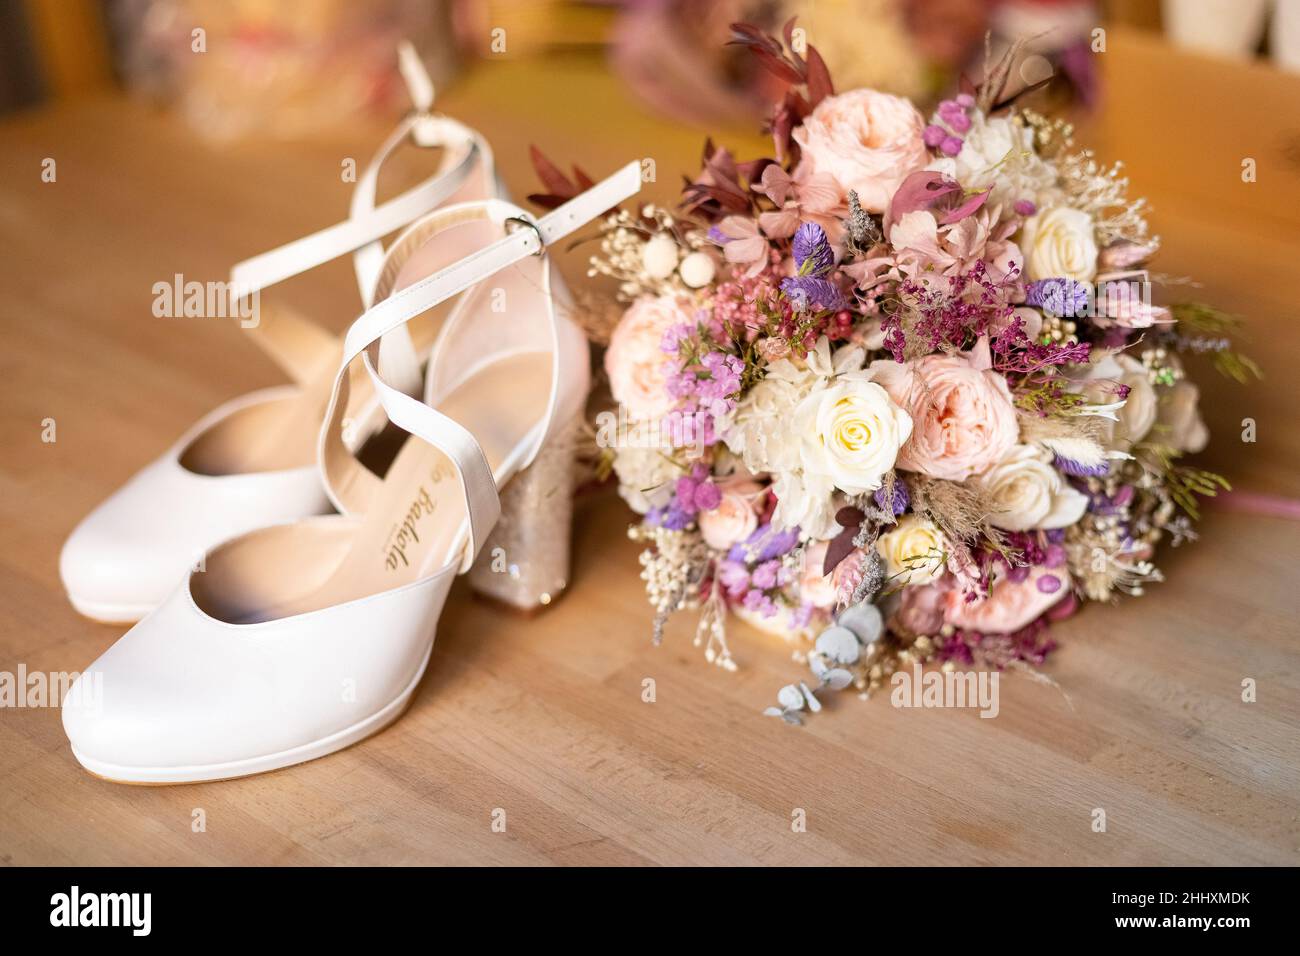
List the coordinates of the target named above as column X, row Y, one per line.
column 814, row 704
column 790, row 697
column 837, row 678
column 839, row 644
column 864, row 620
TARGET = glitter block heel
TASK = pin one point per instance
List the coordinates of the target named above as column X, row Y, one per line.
column 525, row 562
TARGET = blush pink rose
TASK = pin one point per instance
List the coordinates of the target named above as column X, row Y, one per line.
column 816, row 588
column 1011, row 605
column 921, row 607
column 635, row 360
column 734, row 519
column 963, row 418
column 866, row 141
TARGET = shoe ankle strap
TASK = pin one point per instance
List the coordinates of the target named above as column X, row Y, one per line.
column 349, row 483
column 368, row 223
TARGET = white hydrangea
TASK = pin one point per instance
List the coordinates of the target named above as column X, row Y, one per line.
column 999, row 152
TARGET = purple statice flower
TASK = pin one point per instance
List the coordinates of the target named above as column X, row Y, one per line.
column 764, row 544
column 696, row 492
column 671, row 516
column 723, row 379
column 717, row 236
column 759, row 602
column 734, row 577
column 1059, row 297
column 812, row 250
column 901, row 499
column 810, row 292
column 1024, row 207
column 674, row 336
column 765, row 575
column 800, row 616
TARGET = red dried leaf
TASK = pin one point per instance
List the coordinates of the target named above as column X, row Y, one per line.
column 819, row 78
column 550, row 175
column 777, row 66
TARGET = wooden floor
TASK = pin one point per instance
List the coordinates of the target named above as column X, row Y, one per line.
column 543, row 718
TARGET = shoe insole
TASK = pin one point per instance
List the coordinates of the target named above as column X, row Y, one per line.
column 417, row 521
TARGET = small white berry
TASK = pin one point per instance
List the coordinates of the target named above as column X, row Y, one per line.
column 659, row 256
column 697, row 270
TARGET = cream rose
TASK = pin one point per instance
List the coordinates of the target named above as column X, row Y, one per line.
column 962, row 414
column 1060, row 243
column 866, row 141
column 1140, row 407
column 734, row 519
column 915, row 551
column 1025, row 492
column 636, row 363
column 1179, row 419
column 850, row 434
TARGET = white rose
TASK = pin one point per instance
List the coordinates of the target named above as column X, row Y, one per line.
column 1025, row 493
column 915, row 551
column 734, row 519
column 850, row 433
column 1060, row 243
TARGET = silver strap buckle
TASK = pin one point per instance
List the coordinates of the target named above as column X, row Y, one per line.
column 515, row 223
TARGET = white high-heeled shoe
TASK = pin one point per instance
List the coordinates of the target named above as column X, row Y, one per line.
column 300, row 639
column 251, row 462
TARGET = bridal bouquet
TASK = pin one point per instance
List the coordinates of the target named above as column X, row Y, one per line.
column 900, row 393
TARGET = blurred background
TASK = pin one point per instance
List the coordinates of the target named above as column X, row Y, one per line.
column 244, row 106
column 291, row 66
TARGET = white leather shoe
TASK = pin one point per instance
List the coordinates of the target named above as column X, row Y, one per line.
column 251, row 462
column 299, row 639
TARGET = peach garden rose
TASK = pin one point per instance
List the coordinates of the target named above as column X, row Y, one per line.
column 866, row 141
column 635, row 360
column 963, row 419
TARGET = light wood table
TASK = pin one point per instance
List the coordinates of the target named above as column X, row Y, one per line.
column 544, row 718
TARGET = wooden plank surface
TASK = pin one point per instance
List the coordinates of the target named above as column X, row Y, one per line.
column 544, row 718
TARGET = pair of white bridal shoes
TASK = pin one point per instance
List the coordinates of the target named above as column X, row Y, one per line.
column 306, row 635
column 251, row 462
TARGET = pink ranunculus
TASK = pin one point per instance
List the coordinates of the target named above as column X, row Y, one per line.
column 635, row 360
column 867, row 141
column 1011, row 605
column 735, row 518
column 963, row 419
